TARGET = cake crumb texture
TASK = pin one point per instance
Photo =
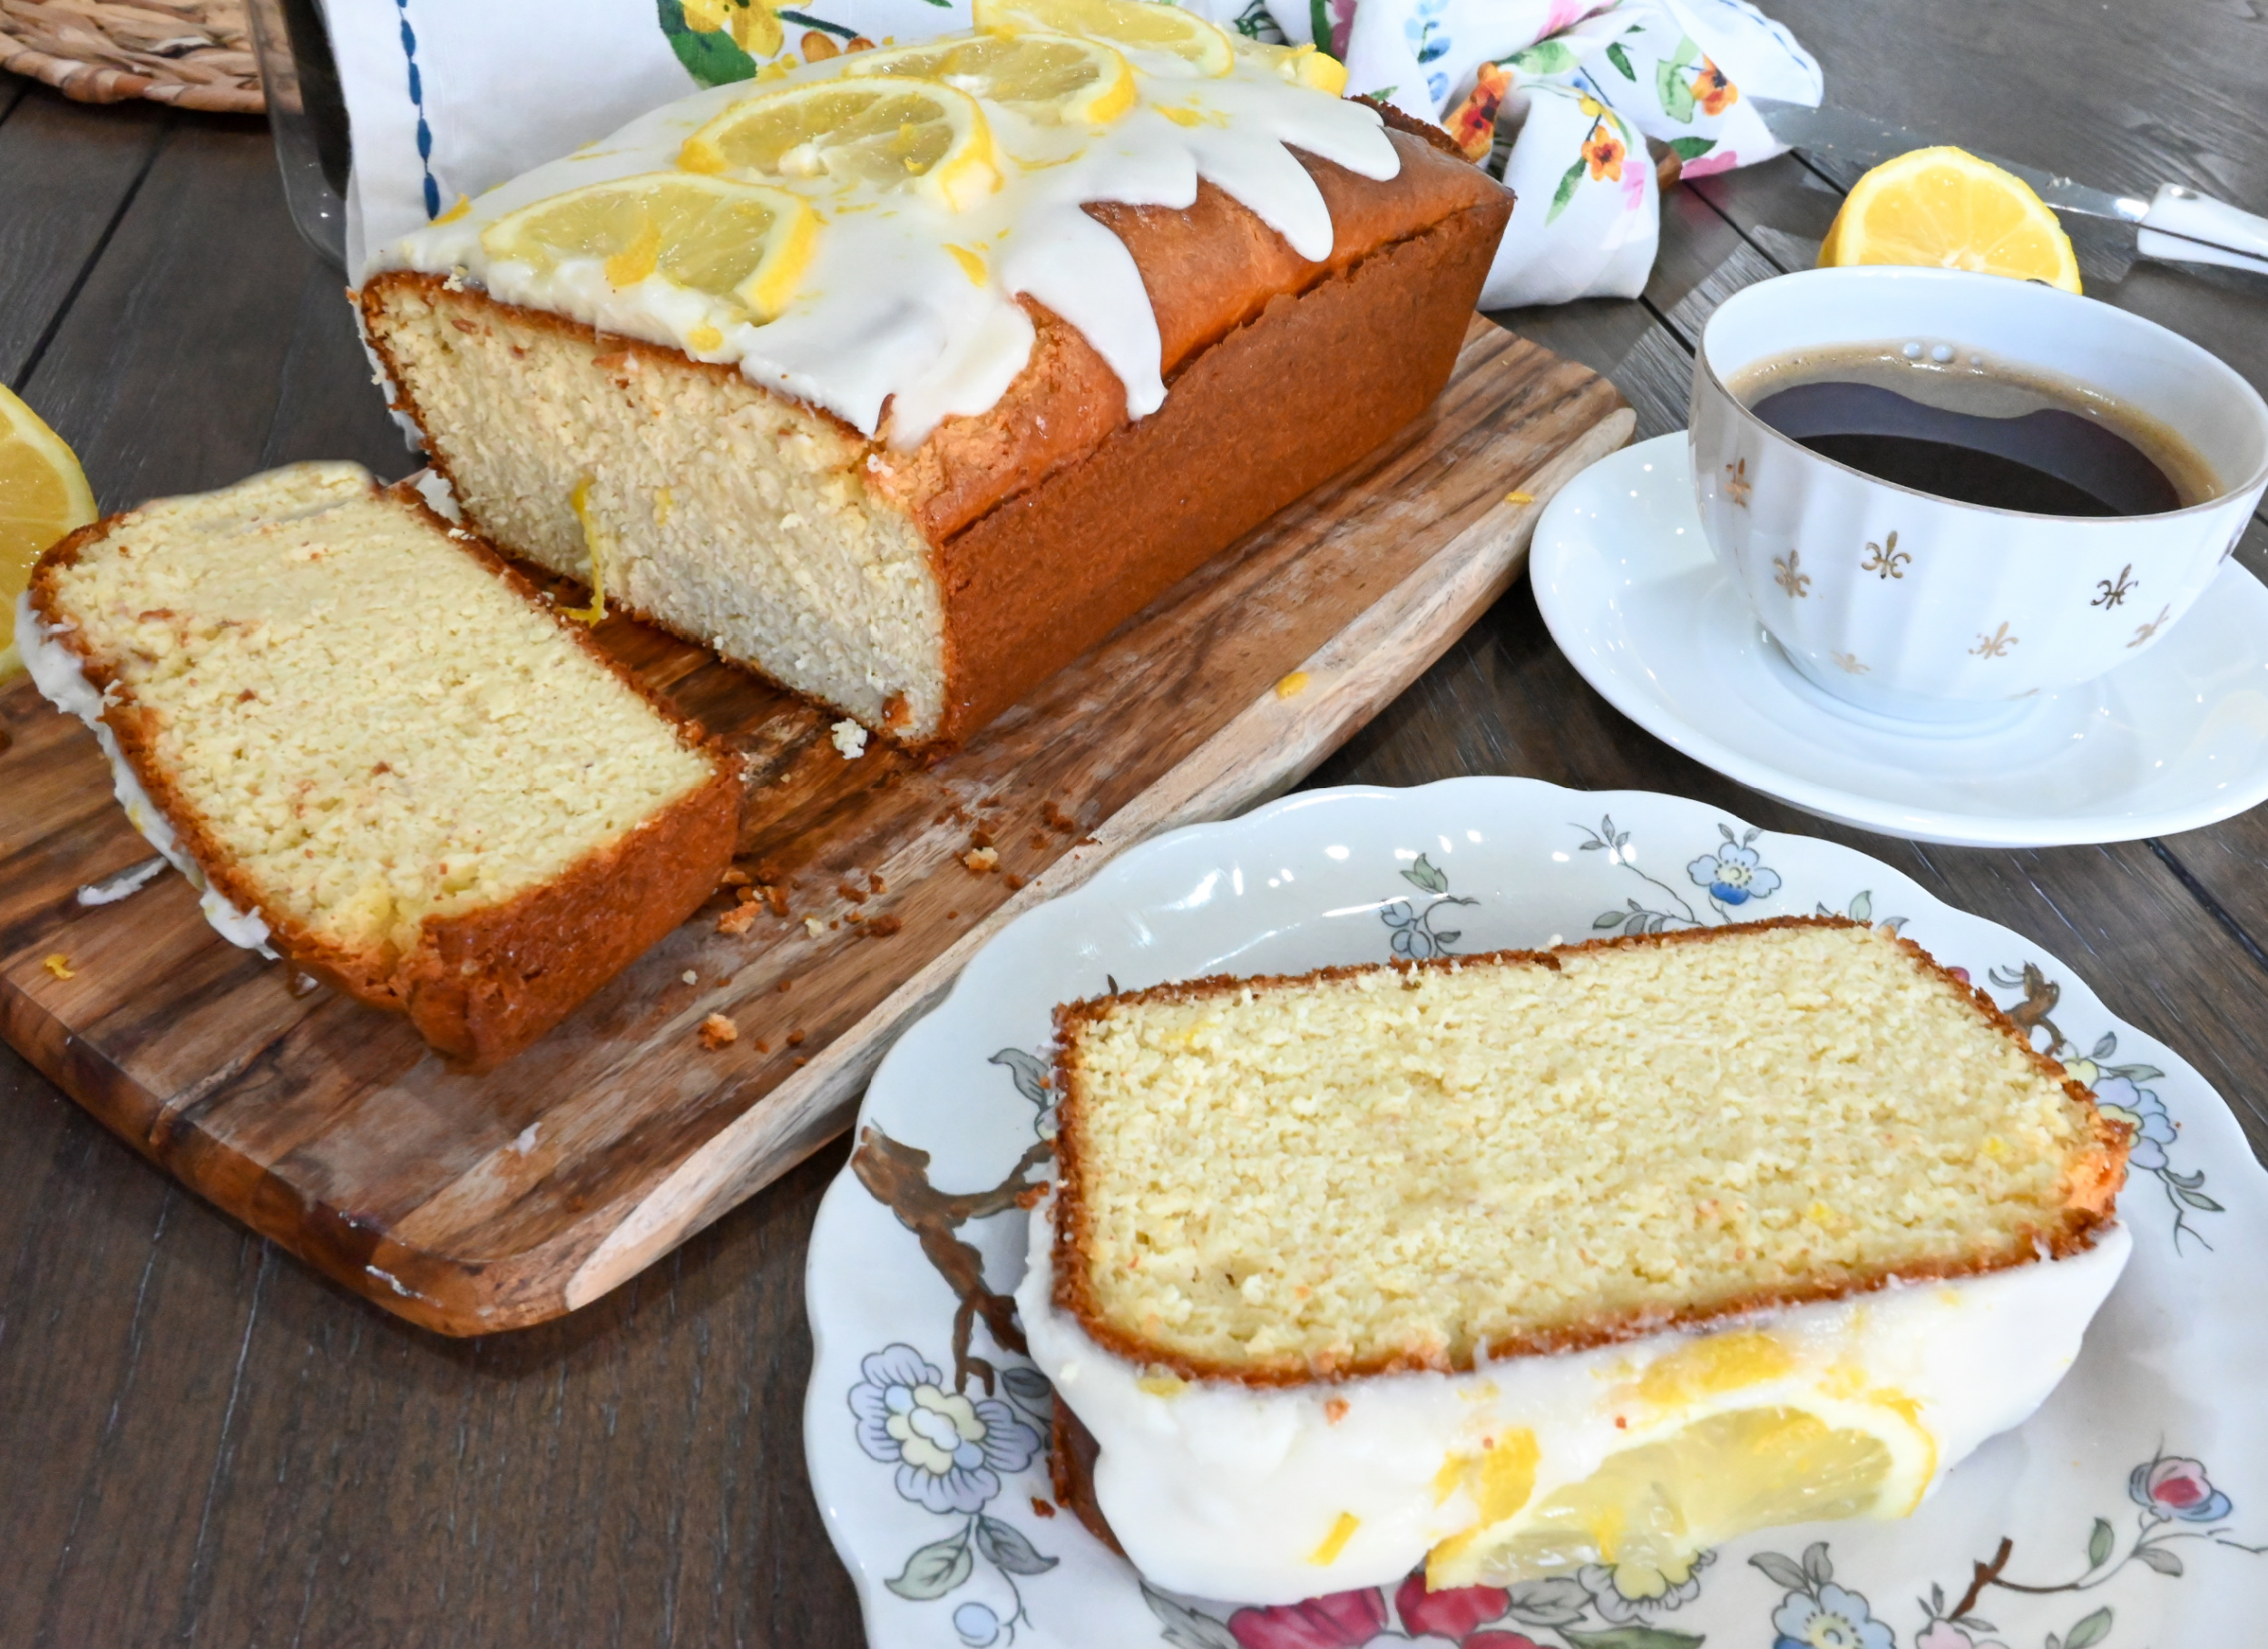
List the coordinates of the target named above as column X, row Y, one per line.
column 1383, row 1168
column 431, row 790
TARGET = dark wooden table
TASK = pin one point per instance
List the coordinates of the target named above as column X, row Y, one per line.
column 202, row 1442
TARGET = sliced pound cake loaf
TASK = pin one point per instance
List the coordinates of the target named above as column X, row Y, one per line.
column 354, row 728
column 1519, row 1263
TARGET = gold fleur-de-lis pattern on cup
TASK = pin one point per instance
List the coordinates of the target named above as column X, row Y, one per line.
column 2110, row 592
column 1788, row 574
column 1737, row 486
column 2143, row 633
column 1996, row 645
column 1886, row 559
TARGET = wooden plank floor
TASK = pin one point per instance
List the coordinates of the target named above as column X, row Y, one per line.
column 202, row 1442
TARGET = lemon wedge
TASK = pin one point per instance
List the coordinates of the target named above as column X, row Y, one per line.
column 744, row 244
column 1301, row 65
column 1049, row 78
column 1140, row 25
column 872, row 130
column 1648, row 1511
column 43, row 494
column 1945, row 209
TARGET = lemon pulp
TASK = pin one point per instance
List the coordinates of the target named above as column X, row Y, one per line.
column 1648, row 1511
column 1049, row 78
column 1135, row 24
column 879, row 132
column 1943, row 208
column 744, row 244
column 43, row 494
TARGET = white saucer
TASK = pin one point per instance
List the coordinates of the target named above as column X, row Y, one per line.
column 2175, row 740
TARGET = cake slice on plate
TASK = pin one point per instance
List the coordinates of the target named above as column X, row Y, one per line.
column 905, row 378
column 1519, row 1264
column 376, row 754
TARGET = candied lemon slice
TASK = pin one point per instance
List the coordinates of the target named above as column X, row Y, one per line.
column 1945, row 209
column 1051, row 78
column 1650, row 1510
column 1302, row 65
column 43, row 494
column 742, row 243
column 861, row 130
column 1141, row 26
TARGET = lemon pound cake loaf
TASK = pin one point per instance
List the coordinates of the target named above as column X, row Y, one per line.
column 904, row 378
column 356, row 732
column 1521, row 1264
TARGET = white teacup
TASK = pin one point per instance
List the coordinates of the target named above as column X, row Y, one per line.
column 1928, row 609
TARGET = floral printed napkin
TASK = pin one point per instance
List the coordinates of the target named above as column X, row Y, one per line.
column 1558, row 97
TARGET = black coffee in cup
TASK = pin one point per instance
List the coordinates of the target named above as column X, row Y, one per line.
column 1975, row 431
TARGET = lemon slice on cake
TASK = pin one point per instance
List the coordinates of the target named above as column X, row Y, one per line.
column 43, row 494
column 1140, row 25
column 1300, row 66
column 1650, row 1510
column 1945, row 209
column 860, row 130
column 1051, row 78
column 744, row 244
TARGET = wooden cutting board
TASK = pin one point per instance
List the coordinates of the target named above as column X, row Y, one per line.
column 469, row 1204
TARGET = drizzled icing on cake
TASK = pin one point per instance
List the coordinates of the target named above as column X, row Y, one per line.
column 890, row 320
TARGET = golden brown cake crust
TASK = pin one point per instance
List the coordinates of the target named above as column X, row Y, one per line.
column 2091, row 1188
column 482, row 986
column 1053, row 518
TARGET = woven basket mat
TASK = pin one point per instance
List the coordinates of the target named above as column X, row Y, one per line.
column 195, row 54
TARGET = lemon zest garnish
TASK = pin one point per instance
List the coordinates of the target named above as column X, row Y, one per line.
column 1336, row 1541
column 1163, row 1385
column 1508, row 1475
column 1722, row 1362
column 1293, row 685
column 463, row 205
column 59, row 965
column 639, row 258
column 663, row 502
column 1179, row 116
column 971, row 263
column 1520, row 498
column 593, row 541
column 704, row 336
column 1448, row 1477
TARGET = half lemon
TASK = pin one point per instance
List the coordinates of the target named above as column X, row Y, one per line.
column 744, row 244
column 44, row 495
column 1139, row 25
column 874, row 130
column 1053, row 79
column 1944, row 209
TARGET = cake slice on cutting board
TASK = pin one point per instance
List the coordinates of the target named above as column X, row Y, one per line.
column 376, row 754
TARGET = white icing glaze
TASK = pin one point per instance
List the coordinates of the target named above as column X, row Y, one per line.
column 1218, row 1490
column 886, row 314
column 55, row 671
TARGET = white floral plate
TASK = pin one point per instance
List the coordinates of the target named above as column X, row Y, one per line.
column 2173, row 741
column 2131, row 1512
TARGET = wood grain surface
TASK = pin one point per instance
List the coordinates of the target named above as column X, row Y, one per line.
column 204, row 1442
column 469, row 1204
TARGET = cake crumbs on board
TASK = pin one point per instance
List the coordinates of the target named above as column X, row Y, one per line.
column 59, row 965
column 717, row 1031
column 850, row 739
column 982, row 859
column 738, row 920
